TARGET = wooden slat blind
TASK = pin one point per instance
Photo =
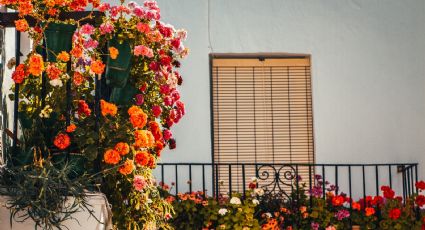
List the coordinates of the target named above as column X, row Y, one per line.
column 262, row 112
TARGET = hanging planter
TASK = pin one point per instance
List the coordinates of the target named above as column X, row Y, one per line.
column 118, row 70
column 58, row 38
column 123, row 96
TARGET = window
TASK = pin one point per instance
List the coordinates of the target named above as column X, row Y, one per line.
column 262, row 113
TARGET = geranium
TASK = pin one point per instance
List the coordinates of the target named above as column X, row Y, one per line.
column 127, row 167
column 113, row 52
column 342, row 214
column 122, row 148
column 36, row 65
column 19, row 74
column 356, row 206
column 369, row 211
column 78, row 78
column 83, row 108
column 63, row 56
column 144, row 139
column 142, row 158
column 143, row 28
column 108, row 108
column 77, row 52
column 112, row 157
column 87, row 29
column 420, row 185
column 139, row 183
column 106, row 28
column 388, row 192
column 71, row 128
column 52, row 71
column 420, row 200
column 21, row 25
column 394, row 213
column 62, row 141
column 156, row 110
column 235, row 201
column 138, row 118
column 156, row 130
column 97, row 66
column 338, row 200
column 142, row 50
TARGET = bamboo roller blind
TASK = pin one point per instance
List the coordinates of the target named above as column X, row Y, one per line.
column 262, row 112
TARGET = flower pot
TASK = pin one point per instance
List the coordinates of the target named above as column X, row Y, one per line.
column 58, row 38
column 75, row 161
column 118, row 70
column 99, row 219
column 123, row 96
column 355, row 227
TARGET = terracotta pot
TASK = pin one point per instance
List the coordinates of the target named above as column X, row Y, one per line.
column 355, row 227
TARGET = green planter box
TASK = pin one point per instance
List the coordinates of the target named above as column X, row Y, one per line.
column 58, row 38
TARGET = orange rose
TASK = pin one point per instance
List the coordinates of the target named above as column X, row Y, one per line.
column 62, row 141
column 111, row 157
column 127, row 168
column 21, row 25
column 113, row 52
column 108, row 108
column 97, row 67
column 36, row 65
column 122, row 148
column 143, row 139
column 71, row 128
column 63, row 56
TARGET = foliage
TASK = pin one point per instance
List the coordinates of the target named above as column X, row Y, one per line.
column 196, row 210
column 131, row 57
column 44, row 193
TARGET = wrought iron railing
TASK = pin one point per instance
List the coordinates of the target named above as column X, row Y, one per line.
column 356, row 180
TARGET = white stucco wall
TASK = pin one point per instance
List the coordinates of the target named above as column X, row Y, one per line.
column 368, row 70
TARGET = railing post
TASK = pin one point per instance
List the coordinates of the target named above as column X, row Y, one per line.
column 16, row 98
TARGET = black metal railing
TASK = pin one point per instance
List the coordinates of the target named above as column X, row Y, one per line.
column 355, row 180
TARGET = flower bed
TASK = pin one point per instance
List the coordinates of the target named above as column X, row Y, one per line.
column 301, row 210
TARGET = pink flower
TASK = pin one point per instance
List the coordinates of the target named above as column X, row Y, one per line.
column 180, row 107
column 139, row 183
column 164, row 89
column 144, row 28
column 91, row 44
column 331, row 227
column 156, row 110
column 181, row 34
column 167, row 134
column 176, row 43
column 168, row 101
column 106, row 28
column 104, row 7
column 143, row 50
column 139, row 12
column 87, row 29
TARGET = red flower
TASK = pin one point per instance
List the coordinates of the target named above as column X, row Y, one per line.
column 338, row 200
column 389, row 194
column 62, row 141
column 83, row 108
column 369, row 211
column 19, row 74
column 394, row 213
column 142, row 158
column 420, row 185
column 420, row 200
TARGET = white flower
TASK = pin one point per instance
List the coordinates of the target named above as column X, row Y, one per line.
column 149, row 201
column 235, row 200
column 255, row 201
column 268, row 215
column 222, row 211
column 45, row 113
column 259, row 191
column 56, row 82
column 254, row 179
column 182, row 34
